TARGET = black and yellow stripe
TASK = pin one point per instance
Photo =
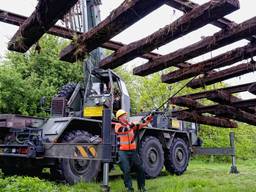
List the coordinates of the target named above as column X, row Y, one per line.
column 86, row 151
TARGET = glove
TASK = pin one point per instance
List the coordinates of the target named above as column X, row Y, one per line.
column 132, row 125
column 149, row 118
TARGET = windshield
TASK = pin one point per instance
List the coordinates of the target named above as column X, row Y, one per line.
column 97, row 87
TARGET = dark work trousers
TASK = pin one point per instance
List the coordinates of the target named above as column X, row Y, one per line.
column 127, row 160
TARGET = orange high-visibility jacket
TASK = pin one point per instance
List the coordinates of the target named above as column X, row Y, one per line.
column 125, row 136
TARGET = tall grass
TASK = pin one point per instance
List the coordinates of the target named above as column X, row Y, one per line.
column 200, row 177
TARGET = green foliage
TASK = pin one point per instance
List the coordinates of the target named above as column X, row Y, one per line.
column 29, row 184
column 245, row 140
column 25, row 184
column 25, row 78
column 245, row 137
column 17, row 96
column 148, row 92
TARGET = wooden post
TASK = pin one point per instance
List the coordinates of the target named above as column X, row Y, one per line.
column 187, row 5
column 203, row 67
column 185, row 102
column 47, row 13
column 122, row 17
column 219, row 76
column 219, row 39
column 232, row 89
column 15, row 19
column 187, row 23
column 214, row 121
column 230, row 112
column 225, row 98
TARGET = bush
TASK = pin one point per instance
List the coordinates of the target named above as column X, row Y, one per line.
column 245, row 137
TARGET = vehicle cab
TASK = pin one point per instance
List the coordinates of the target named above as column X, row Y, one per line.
column 104, row 89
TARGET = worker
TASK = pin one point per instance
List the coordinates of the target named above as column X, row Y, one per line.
column 127, row 154
column 117, row 99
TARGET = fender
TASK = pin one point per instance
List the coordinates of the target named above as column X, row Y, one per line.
column 54, row 128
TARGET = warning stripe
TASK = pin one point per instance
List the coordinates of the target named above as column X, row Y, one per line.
column 82, row 151
column 92, row 151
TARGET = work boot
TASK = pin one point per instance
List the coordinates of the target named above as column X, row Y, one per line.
column 143, row 189
column 130, row 190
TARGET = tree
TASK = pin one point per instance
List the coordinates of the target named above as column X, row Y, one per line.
column 149, row 92
column 37, row 73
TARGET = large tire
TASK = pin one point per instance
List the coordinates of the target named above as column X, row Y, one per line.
column 67, row 90
column 177, row 157
column 75, row 171
column 152, row 156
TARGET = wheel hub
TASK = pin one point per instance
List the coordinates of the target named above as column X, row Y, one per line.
column 80, row 166
column 179, row 155
column 82, row 163
column 152, row 156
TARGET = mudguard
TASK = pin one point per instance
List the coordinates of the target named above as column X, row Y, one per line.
column 55, row 127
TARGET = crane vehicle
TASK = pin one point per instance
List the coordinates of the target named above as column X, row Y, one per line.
column 77, row 138
column 29, row 144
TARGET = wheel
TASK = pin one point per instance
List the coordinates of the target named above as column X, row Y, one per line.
column 74, row 171
column 152, row 156
column 177, row 158
column 67, row 90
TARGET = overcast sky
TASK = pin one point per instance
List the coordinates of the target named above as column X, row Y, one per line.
column 157, row 19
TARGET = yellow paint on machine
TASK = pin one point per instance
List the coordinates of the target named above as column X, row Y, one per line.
column 82, row 151
column 93, row 151
column 175, row 123
column 95, row 111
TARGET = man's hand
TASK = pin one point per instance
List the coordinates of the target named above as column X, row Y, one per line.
column 132, row 125
column 149, row 118
column 145, row 121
